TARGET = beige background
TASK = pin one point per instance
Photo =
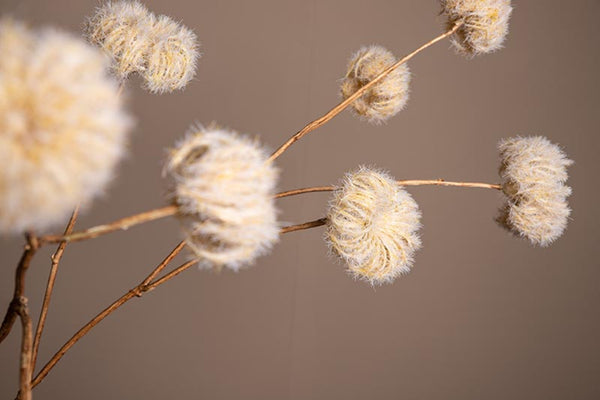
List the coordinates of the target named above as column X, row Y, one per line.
column 482, row 316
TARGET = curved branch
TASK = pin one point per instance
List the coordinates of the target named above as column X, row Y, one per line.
column 342, row 106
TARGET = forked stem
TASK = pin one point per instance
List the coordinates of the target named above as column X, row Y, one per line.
column 148, row 284
column 342, row 106
column 56, row 257
column 128, row 222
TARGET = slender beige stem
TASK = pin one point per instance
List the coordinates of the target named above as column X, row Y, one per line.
column 304, row 190
column 56, row 257
column 136, row 291
column 11, row 314
column 25, row 371
column 147, row 216
column 128, row 222
column 170, row 275
column 121, row 224
column 306, row 225
column 441, row 182
column 341, row 106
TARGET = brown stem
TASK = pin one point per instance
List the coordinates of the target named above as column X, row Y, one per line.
column 146, row 285
column 306, row 225
column 341, row 106
column 120, row 224
column 25, row 371
column 56, row 257
column 441, row 182
column 147, row 216
column 136, row 291
column 12, row 312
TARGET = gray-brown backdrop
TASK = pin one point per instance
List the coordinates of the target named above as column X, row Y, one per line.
column 482, row 315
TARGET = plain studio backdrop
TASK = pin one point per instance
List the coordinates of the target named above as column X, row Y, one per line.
column 482, row 315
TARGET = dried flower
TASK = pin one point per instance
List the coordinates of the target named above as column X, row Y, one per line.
column 387, row 97
column 62, row 126
column 485, row 24
column 372, row 226
column 172, row 56
column 534, row 172
column 162, row 51
column 122, row 30
column 224, row 188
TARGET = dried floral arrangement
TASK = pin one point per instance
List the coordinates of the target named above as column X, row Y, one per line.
column 63, row 129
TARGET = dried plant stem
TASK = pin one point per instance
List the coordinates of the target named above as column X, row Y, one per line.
column 11, row 314
column 341, row 106
column 25, row 371
column 306, row 225
column 121, row 224
column 145, row 286
column 56, row 257
column 128, row 222
column 442, row 182
column 136, row 291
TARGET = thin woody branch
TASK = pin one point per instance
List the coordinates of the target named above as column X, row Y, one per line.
column 344, row 104
column 56, row 257
column 11, row 314
column 128, row 222
column 146, row 285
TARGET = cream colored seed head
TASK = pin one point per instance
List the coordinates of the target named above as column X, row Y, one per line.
column 534, row 172
column 172, row 56
column 62, row 126
column 224, row 187
column 387, row 97
column 485, row 24
column 122, row 30
column 373, row 225
column 162, row 51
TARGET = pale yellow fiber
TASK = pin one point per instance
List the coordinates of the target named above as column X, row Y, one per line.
column 373, row 225
column 387, row 97
column 484, row 24
column 62, row 126
column 161, row 50
column 224, row 189
column 534, row 172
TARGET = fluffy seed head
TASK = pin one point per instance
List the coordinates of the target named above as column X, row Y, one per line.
column 172, row 56
column 162, row 51
column 62, row 126
column 387, row 97
column 485, row 24
column 224, row 188
column 534, row 172
column 373, row 225
column 122, row 30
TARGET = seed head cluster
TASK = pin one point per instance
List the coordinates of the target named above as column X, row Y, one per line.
column 534, row 172
column 388, row 96
column 161, row 50
column 484, row 24
column 62, row 126
column 224, row 188
column 373, row 225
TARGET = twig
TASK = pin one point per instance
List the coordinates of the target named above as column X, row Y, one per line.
column 147, row 216
column 120, row 224
column 11, row 314
column 56, row 257
column 306, row 225
column 304, row 190
column 442, row 182
column 341, row 106
column 25, row 371
column 146, row 285
column 136, row 291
